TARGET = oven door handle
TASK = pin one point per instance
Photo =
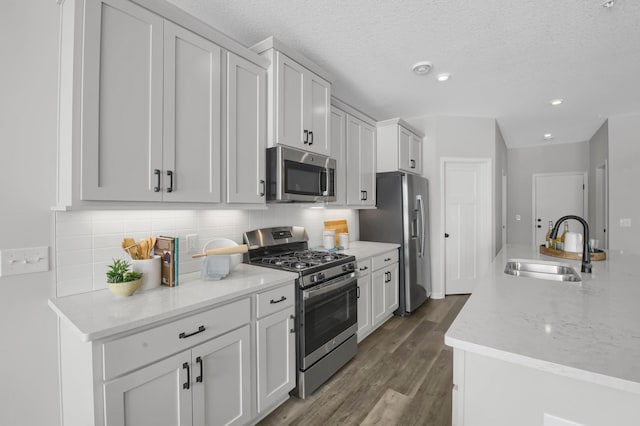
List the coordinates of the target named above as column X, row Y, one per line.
column 329, row 286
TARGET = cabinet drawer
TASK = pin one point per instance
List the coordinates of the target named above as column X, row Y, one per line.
column 274, row 300
column 364, row 267
column 384, row 259
column 128, row 353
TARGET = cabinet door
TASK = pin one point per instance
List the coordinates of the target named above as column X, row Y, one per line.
column 276, row 358
column 221, row 379
column 415, row 160
column 191, row 144
column 246, row 131
column 391, row 288
column 378, row 294
column 368, row 164
column 289, row 102
column 354, row 190
column 316, row 113
column 122, row 102
column 338, row 152
column 364, row 306
column 154, row 395
column 404, row 149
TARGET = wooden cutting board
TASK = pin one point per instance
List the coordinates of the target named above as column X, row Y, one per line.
column 340, row 226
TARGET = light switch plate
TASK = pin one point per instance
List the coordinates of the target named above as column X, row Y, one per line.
column 192, row 243
column 24, row 261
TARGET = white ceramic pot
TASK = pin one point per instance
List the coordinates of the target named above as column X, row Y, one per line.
column 150, row 269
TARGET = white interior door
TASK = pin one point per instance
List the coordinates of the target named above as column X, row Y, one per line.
column 557, row 195
column 467, row 223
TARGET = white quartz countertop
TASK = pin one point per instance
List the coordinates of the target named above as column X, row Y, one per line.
column 588, row 330
column 364, row 249
column 100, row 314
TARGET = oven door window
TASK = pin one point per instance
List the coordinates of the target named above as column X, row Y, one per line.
column 328, row 315
column 304, row 179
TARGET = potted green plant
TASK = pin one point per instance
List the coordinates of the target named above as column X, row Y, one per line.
column 120, row 280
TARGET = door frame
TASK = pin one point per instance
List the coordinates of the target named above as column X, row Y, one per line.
column 604, row 170
column 585, row 200
column 488, row 177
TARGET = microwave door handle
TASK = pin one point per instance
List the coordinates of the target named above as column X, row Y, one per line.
column 323, row 182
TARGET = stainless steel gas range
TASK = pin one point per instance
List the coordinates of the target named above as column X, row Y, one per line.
column 326, row 301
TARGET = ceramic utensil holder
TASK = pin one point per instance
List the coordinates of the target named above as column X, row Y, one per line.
column 343, row 240
column 150, row 270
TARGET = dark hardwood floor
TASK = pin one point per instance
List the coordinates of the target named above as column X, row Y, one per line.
column 402, row 375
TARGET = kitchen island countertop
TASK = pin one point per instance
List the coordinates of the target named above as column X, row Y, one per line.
column 99, row 314
column 588, row 330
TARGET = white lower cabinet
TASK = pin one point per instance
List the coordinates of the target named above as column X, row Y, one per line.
column 208, row 385
column 377, row 291
column 229, row 365
column 276, row 358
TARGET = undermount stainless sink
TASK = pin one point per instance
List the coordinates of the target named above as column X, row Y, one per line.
column 541, row 270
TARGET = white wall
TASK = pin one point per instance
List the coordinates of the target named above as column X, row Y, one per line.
column 523, row 163
column 624, row 180
column 449, row 137
column 28, row 94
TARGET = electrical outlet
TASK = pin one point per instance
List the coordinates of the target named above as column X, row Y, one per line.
column 517, row 217
column 192, row 243
column 24, row 261
column 625, row 222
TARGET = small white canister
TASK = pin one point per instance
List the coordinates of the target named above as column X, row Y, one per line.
column 573, row 242
column 329, row 239
column 343, row 240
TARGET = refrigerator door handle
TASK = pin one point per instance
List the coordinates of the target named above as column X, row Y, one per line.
column 421, row 216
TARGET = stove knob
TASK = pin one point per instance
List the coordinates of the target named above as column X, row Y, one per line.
column 320, row 276
column 345, row 268
column 313, row 278
column 352, row 266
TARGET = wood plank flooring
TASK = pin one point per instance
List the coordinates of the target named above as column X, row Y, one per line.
column 402, row 375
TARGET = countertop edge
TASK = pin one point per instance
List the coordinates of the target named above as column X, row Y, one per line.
column 165, row 316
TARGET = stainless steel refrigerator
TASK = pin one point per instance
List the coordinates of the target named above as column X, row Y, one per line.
column 402, row 217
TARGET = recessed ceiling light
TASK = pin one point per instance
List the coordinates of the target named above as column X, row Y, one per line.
column 422, row 68
column 556, row 102
column 548, row 136
column 443, row 77
column 609, row 3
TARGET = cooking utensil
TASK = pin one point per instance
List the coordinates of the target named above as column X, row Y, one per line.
column 129, row 245
column 223, row 250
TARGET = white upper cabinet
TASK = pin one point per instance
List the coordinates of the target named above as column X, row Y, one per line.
column 399, row 147
column 191, row 144
column 300, row 100
column 360, row 163
column 338, row 153
column 122, row 103
column 142, row 99
column 246, row 131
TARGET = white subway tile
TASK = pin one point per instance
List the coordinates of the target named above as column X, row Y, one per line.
column 108, row 227
column 75, row 272
column 107, row 241
column 73, row 257
column 74, row 286
column 74, row 229
column 83, row 242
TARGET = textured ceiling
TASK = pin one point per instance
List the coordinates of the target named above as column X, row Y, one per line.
column 508, row 59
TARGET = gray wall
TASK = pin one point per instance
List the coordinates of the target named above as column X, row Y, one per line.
column 598, row 155
column 449, row 137
column 523, row 163
column 28, row 84
column 500, row 170
column 624, row 179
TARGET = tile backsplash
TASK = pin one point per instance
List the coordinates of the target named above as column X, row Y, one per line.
column 86, row 241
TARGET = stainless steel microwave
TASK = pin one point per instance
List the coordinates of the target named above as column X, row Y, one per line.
column 294, row 175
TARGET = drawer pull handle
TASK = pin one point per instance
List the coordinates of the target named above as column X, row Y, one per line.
column 186, row 384
column 199, row 378
column 282, row 299
column 184, row 335
column 387, row 259
column 364, row 268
